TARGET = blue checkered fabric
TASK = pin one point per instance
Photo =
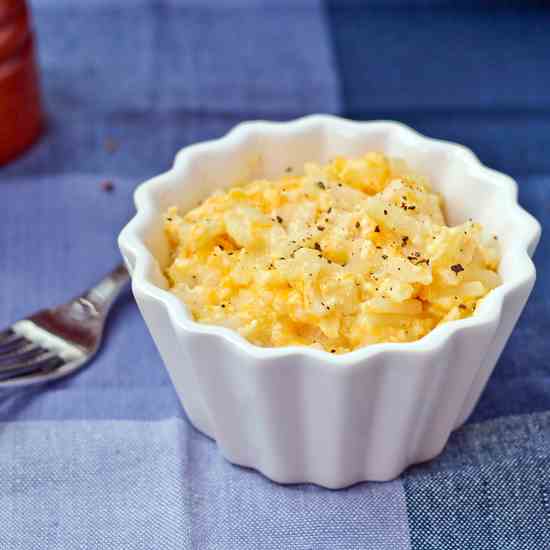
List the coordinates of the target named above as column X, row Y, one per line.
column 107, row 458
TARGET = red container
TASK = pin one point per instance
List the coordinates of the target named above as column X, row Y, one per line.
column 21, row 119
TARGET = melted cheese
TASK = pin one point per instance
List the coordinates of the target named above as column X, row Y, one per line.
column 346, row 255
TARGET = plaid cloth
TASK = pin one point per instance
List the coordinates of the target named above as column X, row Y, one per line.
column 106, row 458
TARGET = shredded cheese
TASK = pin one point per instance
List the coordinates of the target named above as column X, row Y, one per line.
column 348, row 254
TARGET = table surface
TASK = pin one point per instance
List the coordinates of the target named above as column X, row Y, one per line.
column 106, row 458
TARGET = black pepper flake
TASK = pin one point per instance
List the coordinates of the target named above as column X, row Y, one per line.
column 107, row 186
column 339, row 185
column 329, row 210
column 110, row 145
column 329, row 261
column 279, row 219
column 288, row 169
column 495, row 237
column 384, row 256
column 404, row 240
column 457, row 268
column 321, row 185
column 320, row 228
column 417, row 254
column 357, row 225
column 230, row 253
column 412, row 207
column 385, row 212
column 221, row 246
column 377, row 229
column 378, row 248
column 223, row 305
column 462, row 306
column 332, row 351
column 168, row 219
column 282, row 258
column 317, row 246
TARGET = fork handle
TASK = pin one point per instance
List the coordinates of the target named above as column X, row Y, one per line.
column 107, row 290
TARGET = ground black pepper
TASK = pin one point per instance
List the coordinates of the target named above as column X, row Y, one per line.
column 107, row 186
column 110, row 145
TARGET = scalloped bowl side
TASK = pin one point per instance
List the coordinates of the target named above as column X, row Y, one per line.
column 303, row 415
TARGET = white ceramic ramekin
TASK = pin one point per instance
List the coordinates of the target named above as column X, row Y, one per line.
column 301, row 415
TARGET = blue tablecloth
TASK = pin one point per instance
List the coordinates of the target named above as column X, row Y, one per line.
column 106, row 458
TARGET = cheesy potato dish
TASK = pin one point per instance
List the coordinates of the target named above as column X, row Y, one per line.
column 345, row 255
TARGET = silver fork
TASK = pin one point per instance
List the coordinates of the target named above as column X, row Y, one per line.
column 54, row 342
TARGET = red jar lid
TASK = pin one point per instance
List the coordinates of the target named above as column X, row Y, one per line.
column 20, row 108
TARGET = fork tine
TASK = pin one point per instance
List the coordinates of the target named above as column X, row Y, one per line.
column 44, row 363
column 6, row 334
column 25, row 353
column 11, row 344
column 19, row 364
